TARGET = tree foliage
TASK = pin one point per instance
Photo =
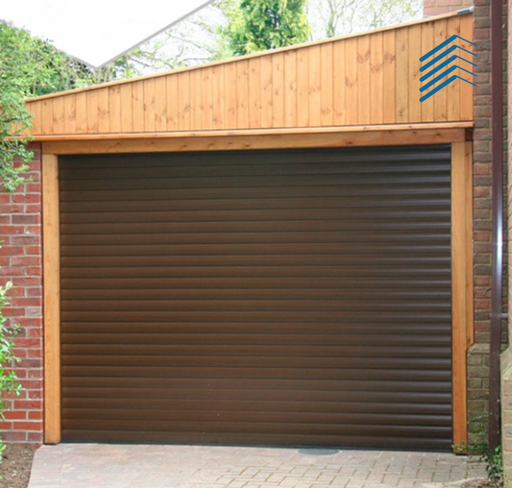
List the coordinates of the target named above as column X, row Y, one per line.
column 330, row 18
column 258, row 25
column 31, row 67
column 17, row 73
column 219, row 30
column 8, row 380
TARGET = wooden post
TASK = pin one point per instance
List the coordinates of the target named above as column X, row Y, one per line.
column 462, row 283
column 51, row 306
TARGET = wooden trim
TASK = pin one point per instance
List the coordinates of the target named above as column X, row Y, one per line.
column 51, row 283
column 250, row 56
column 462, row 252
column 462, row 283
column 276, row 141
column 256, row 132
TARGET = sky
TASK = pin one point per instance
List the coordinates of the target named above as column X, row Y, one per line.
column 96, row 31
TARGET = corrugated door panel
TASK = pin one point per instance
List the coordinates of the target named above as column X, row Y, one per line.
column 258, row 297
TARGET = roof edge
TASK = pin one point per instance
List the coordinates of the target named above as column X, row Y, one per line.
column 248, row 56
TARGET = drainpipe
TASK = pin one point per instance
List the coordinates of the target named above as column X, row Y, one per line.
column 497, row 222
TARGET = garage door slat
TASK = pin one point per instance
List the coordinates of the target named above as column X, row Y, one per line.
column 427, row 282
column 291, row 396
column 356, row 441
column 256, row 338
column 255, row 384
column 255, row 362
column 260, row 417
column 275, row 297
column 413, row 190
column 366, row 407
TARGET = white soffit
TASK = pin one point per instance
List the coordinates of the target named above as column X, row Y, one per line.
column 96, row 31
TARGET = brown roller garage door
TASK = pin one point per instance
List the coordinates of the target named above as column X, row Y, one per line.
column 258, row 297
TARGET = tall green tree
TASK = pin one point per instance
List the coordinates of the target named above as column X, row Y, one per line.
column 258, row 25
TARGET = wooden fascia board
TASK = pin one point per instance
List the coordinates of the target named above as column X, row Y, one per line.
column 271, row 139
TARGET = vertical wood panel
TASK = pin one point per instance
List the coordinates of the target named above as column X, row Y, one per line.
column 81, row 113
column 138, row 106
column 302, row 88
column 161, row 109
column 126, row 108
column 242, row 94
column 196, row 108
column 35, row 109
column 149, row 105
column 290, row 89
column 466, row 90
column 103, row 111
column 172, row 95
column 58, row 116
column 377, row 79
column 327, row 79
column 402, row 75
column 351, row 82
column 184, row 101
column 254, row 93
column 114, row 102
column 315, row 73
column 207, row 99
column 231, row 96
column 51, row 294
column 427, row 44
column 278, row 90
column 389, row 76
column 266, row 91
column 440, row 109
column 414, row 73
column 339, row 110
column 218, row 97
column 363, row 75
column 70, row 114
column 47, row 117
column 459, row 292
column 453, row 89
column 92, row 112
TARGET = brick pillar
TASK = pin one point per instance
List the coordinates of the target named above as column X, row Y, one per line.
column 21, row 263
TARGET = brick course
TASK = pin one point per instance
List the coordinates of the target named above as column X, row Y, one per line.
column 438, row 7
column 21, row 261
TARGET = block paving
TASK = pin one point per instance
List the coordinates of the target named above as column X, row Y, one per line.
column 157, row 466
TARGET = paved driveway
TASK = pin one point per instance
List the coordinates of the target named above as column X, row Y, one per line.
column 155, row 466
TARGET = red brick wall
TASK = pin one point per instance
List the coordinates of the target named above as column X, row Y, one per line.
column 438, row 7
column 21, row 263
column 478, row 375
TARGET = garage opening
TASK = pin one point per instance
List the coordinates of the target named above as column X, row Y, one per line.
column 283, row 297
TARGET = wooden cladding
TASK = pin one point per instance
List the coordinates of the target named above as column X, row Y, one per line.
column 366, row 79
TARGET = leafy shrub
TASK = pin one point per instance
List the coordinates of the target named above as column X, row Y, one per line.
column 8, row 379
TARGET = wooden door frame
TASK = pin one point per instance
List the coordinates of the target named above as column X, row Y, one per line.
column 461, row 235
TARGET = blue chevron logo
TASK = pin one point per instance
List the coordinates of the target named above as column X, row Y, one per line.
column 436, row 58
